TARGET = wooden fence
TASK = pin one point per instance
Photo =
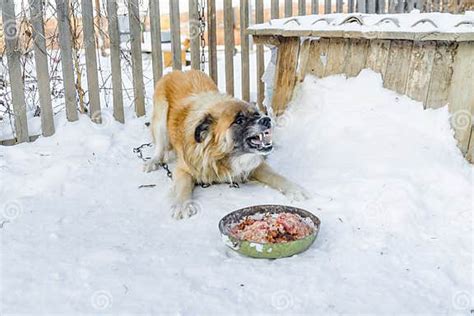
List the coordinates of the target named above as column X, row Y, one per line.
column 254, row 11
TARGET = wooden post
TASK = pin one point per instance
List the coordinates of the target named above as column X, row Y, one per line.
column 91, row 60
column 65, row 45
column 350, row 6
column 260, row 57
column 285, row 74
column 42, row 71
column 370, row 6
column 302, row 7
column 114, row 37
column 400, row 6
column 175, row 34
column 244, row 54
column 11, row 30
column 229, row 46
column 212, row 39
column 327, row 6
column 361, row 6
column 381, row 6
column 137, row 65
column 194, row 33
column 315, row 6
column 339, row 5
column 155, row 28
column 288, row 8
column 420, row 70
column 396, row 75
column 275, row 9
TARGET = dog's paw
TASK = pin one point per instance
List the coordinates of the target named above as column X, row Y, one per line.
column 185, row 210
column 151, row 165
column 296, row 193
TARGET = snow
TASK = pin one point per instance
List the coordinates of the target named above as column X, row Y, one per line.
column 393, row 193
column 406, row 22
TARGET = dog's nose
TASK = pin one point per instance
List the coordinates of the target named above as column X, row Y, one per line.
column 266, row 121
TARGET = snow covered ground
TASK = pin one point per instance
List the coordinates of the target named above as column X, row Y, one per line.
column 394, row 194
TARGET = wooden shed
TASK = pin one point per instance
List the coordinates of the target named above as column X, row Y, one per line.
column 428, row 56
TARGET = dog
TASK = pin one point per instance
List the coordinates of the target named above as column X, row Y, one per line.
column 216, row 138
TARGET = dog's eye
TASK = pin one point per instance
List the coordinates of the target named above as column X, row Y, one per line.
column 240, row 120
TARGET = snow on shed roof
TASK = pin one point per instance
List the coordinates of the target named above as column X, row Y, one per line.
column 413, row 26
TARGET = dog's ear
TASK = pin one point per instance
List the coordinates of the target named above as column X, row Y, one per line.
column 202, row 130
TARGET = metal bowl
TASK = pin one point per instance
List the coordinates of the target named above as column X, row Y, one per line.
column 267, row 250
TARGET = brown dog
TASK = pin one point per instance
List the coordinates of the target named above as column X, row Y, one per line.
column 216, row 138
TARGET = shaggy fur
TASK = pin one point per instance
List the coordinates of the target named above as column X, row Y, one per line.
column 194, row 121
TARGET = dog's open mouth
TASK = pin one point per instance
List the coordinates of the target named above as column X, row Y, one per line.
column 261, row 141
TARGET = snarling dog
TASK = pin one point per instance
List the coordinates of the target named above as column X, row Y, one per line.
column 216, row 138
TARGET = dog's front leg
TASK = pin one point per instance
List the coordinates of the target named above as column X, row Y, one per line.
column 266, row 175
column 183, row 206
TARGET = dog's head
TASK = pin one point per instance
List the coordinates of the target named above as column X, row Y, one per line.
column 235, row 127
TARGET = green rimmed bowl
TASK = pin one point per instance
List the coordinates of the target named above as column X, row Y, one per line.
column 267, row 250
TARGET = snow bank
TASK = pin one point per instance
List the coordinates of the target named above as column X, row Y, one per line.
column 392, row 191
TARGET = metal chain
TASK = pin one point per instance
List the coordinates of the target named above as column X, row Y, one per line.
column 202, row 30
column 139, row 151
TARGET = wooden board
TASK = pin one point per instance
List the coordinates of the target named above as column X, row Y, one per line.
column 315, row 6
column 377, row 55
column 356, row 57
column 11, row 31
column 91, row 61
column 337, row 55
column 317, row 61
column 194, row 32
column 419, row 74
column 67, row 66
column 461, row 97
column 244, row 54
column 301, row 7
column 115, row 61
column 42, row 70
column 327, row 6
column 304, row 56
column 229, row 46
column 285, row 74
column 175, row 34
column 212, row 39
column 398, row 64
column 470, row 151
column 441, row 74
column 137, row 64
column 288, row 8
column 259, row 15
column 275, row 8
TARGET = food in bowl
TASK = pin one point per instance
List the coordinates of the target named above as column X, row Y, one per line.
column 272, row 228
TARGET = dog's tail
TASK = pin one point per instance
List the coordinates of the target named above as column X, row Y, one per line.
column 159, row 129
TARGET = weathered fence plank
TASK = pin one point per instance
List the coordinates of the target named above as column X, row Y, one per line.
column 339, row 6
column 260, row 56
column 398, row 64
column 285, row 74
column 304, row 54
column 65, row 45
column 212, row 39
column 361, row 7
column 370, row 6
column 194, row 33
column 356, row 56
column 327, row 6
column 315, row 6
column 244, row 54
column 155, row 29
column 137, row 64
column 316, row 65
column 381, row 6
column 175, row 34
column 441, row 74
column 337, row 54
column 420, row 70
column 275, row 9
column 42, row 71
column 11, row 32
column 91, row 60
column 115, row 60
column 470, row 150
column 229, row 46
column 350, row 6
column 301, row 7
column 288, row 8
column 377, row 56
column 460, row 98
